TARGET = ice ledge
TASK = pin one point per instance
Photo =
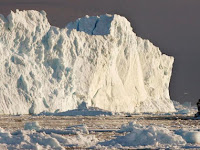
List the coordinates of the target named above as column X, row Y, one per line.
column 100, row 25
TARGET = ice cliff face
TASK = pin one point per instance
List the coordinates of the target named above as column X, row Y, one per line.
column 99, row 60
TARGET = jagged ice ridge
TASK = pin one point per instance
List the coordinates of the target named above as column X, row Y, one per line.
column 98, row 60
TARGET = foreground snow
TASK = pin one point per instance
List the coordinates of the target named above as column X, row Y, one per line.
column 99, row 60
column 134, row 136
column 140, row 136
column 147, row 131
column 43, row 139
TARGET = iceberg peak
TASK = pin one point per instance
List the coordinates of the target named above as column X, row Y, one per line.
column 100, row 25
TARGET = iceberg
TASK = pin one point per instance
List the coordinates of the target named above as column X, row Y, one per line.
column 97, row 60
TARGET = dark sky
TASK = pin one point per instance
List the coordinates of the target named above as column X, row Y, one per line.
column 172, row 25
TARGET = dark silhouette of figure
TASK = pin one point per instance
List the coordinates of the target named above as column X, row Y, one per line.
column 198, row 106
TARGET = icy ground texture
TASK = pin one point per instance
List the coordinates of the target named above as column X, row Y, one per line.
column 99, row 60
column 78, row 136
column 145, row 136
column 140, row 136
column 30, row 138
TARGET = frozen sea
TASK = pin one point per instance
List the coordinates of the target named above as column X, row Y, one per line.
column 98, row 129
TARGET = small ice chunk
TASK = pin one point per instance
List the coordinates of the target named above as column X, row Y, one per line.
column 32, row 126
column 83, row 105
column 79, row 128
column 189, row 136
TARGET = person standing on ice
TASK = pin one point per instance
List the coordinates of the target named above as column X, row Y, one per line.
column 198, row 106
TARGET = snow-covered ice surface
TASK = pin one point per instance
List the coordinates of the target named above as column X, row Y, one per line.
column 99, row 132
column 146, row 136
column 142, row 131
column 98, row 60
column 40, row 139
column 140, row 136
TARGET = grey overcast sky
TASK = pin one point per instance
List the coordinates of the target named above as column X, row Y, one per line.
column 172, row 25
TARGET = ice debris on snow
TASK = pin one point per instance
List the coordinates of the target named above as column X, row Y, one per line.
column 135, row 136
column 34, row 137
column 76, row 129
column 99, row 60
column 146, row 136
column 184, row 109
column 128, row 127
column 79, row 128
column 189, row 136
column 31, row 139
column 156, row 136
column 23, row 139
column 32, row 126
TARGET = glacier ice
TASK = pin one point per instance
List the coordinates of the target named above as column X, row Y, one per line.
column 98, row 60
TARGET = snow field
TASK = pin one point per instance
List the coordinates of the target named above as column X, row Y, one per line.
column 33, row 137
column 132, row 135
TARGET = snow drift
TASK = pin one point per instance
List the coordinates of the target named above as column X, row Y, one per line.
column 146, row 136
column 134, row 136
column 32, row 138
column 99, row 60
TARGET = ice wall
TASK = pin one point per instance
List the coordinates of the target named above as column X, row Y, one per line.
column 99, row 60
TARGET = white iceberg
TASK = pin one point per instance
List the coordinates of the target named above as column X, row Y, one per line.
column 98, row 60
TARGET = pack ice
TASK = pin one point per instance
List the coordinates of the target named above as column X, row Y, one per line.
column 97, row 60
